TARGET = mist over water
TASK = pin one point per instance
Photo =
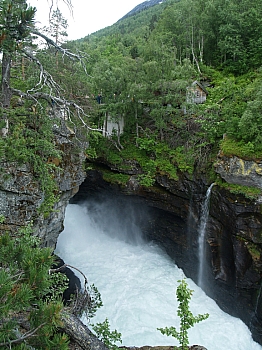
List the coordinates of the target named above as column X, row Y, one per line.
column 138, row 281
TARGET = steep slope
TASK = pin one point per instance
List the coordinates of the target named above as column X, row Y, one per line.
column 144, row 5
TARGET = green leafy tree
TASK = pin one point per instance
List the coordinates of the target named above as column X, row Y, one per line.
column 187, row 319
column 108, row 337
column 250, row 124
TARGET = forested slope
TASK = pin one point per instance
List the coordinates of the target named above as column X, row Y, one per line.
column 145, row 64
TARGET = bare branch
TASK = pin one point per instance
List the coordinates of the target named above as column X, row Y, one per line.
column 45, row 78
column 61, row 268
column 83, row 299
column 65, row 52
column 60, row 101
column 24, row 336
column 67, row 2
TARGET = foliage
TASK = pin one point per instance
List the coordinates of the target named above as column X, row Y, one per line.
column 25, row 281
column 31, row 293
column 248, row 192
column 15, row 21
column 31, row 141
column 144, row 75
column 246, row 150
column 120, row 179
column 109, row 338
column 187, row 319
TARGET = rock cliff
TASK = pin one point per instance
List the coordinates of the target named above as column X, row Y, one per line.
column 233, row 240
column 232, row 259
column 20, row 194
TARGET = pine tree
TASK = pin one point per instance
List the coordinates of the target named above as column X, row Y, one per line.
column 58, row 26
column 29, row 313
column 16, row 19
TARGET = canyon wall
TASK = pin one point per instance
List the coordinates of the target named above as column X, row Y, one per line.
column 21, row 195
column 232, row 257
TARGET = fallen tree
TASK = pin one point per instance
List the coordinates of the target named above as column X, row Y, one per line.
column 79, row 333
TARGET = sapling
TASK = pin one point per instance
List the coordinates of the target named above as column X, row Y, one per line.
column 187, row 319
column 109, row 338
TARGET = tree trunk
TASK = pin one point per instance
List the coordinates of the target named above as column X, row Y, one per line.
column 6, row 93
column 80, row 333
column 6, row 69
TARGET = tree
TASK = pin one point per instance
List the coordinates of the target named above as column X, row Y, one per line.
column 187, row 319
column 17, row 29
column 27, row 314
column 57, row 27
column 250, row 124
column 33, row 313
column 16, row 19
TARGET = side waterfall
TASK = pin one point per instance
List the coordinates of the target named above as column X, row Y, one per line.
column 202, row 234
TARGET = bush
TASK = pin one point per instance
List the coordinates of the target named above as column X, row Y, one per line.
column 187, row 319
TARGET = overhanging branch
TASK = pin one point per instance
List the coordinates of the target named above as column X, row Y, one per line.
column 65, row 52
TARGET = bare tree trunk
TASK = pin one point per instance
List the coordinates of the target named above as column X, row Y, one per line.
column 6, row 93
column 201, row 49
column 80, row 333
column 137, row 130
column 193, row 53
column 23, row 67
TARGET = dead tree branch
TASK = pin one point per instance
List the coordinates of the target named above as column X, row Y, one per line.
column 65, row 52
column 83, row 299
column 80, row 333
column 25, row 336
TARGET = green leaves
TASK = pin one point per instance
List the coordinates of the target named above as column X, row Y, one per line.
column 187, row 319
column 109, row 338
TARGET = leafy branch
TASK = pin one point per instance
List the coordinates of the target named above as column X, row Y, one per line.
column 187, row 319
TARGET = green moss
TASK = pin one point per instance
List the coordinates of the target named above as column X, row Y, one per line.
column 249, row 192
column 115, row 178
column 254, row 252
column 231, row 147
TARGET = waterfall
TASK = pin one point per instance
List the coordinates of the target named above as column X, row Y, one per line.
column 138, row 281
column 258, row 298
column 202, row 234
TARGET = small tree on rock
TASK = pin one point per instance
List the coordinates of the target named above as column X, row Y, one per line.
column 187, row 319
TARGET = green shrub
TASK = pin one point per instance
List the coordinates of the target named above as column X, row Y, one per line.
column 187, row 319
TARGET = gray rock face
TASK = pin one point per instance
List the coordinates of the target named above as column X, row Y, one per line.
column 233, row 259
column 239, row 171
column 20, row 194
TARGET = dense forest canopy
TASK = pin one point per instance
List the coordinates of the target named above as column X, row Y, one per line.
column 143, row 66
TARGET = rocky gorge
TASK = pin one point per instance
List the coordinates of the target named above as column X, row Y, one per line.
column 232, row 275
column 233, row 232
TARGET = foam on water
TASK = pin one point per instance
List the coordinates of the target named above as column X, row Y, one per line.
column 138, row 283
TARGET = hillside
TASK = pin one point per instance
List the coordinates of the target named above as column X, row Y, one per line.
column 145, row 64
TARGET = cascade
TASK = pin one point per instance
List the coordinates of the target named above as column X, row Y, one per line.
column 138, row 281
column 202, row 234
column 258, row 297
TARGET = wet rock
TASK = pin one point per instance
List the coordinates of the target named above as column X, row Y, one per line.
column 232, row 262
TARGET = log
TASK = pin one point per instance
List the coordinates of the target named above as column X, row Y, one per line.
column 80, row 333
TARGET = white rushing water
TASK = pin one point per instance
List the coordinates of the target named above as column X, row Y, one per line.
column 138, row 282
